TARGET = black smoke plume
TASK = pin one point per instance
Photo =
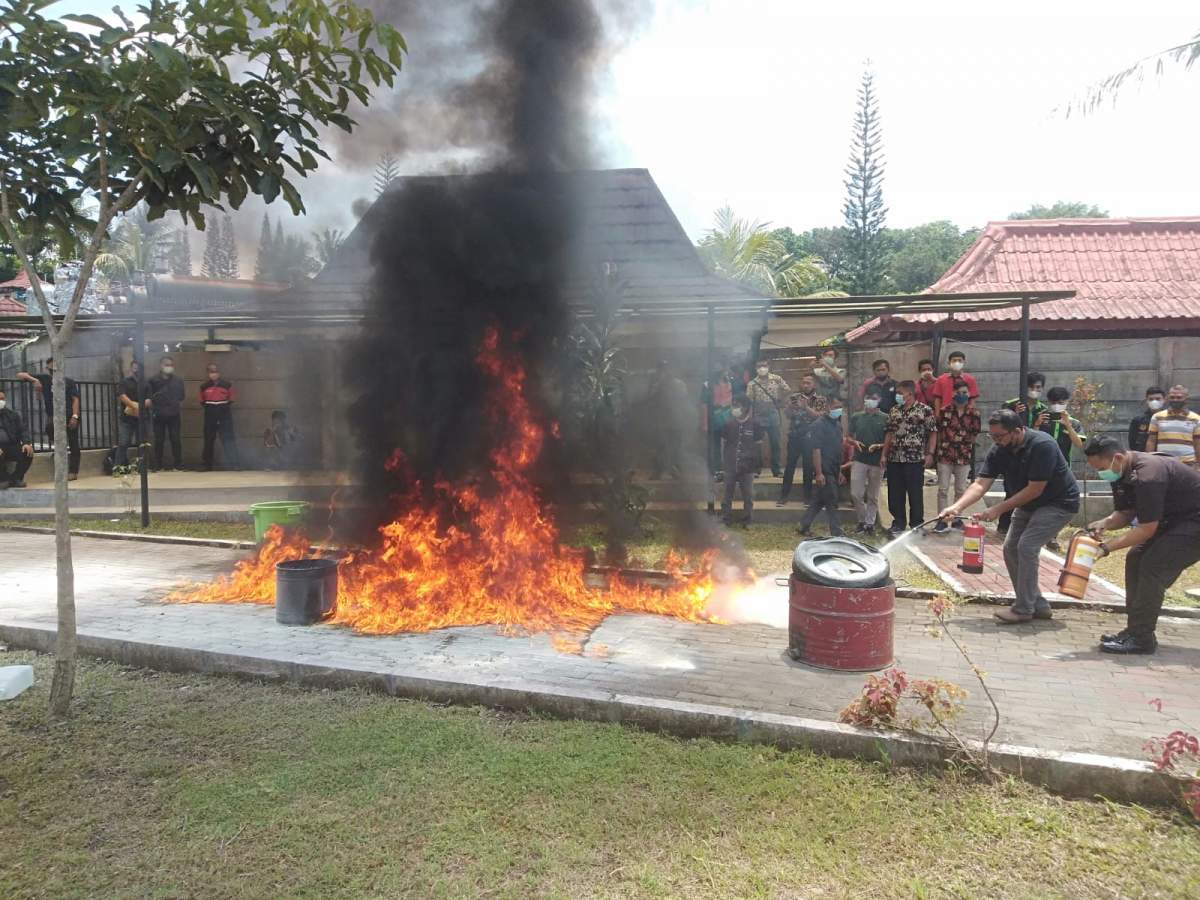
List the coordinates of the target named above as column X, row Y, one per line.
column 455, row 255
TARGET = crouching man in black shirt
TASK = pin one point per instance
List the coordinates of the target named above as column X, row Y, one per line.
column 1164, row 494
column 1043, row 495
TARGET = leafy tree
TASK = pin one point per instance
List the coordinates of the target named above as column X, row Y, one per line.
column 229, row 250
column 136, row 244
column 864, row 211
column 1063, row 209
column 180, row 258
column 387, row 170
column 829, row 246
column 197, row 103
column 326, row 244
column 748, row 253
column 921, row 255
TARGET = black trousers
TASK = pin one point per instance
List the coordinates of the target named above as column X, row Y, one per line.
column 12, row 453
column 825, row 499
column 74, row 454
column 1152, row 567
column 906, row 487
column 167, row 427
column 799, row 450
column 734, row 480
column 219, row 420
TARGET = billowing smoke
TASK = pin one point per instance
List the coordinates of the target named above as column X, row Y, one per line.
column 510, row 82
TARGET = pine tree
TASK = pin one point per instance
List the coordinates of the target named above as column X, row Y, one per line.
column 229, row 250
column 181, row 253
column 387, row 170
column 210, row 266
column 262, row 264
column 864, row 210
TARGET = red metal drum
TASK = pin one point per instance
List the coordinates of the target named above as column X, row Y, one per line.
column 841, row 628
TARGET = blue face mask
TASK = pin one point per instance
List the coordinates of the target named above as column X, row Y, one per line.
column 960, row 399
column 1108, row 475
column 835, row 414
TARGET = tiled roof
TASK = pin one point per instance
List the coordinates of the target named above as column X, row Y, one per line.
column 1122, row 270
column 624, row 219
column 10, row 307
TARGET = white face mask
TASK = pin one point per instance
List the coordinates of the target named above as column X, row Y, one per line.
column 1034, row 393
column 957, row 365
column 3, row 403
column 167, row 370
column 871, row 403
column 829, row 360
column 762, row 371
column 1155, row 405
column 1058, row 407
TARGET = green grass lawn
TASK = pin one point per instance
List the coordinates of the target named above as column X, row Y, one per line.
column 237, row 531
column 170, row 785
column 1112, row 568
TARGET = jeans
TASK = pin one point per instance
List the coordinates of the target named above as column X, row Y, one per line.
column 219, row 420
column 771, row 425
column 167, row 427
column 12, row 453
column 906, row 482
column 1028, row 533
column 799, row 450
column 947, row 471
column 1152, row 567
column 74, row 454
column 127, row 436
column 734, row 479
column 864, row 491
column 825, row 497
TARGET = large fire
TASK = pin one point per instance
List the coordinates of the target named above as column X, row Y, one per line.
column 499, row 563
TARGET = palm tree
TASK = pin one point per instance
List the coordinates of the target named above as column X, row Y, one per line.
column 135, row 244
column 326, row 244
column 746, row 252
column 1186, row 54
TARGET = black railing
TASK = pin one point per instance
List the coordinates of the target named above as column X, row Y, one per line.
column 97, row 413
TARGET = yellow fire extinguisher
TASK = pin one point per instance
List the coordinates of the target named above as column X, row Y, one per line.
column 1082, row 553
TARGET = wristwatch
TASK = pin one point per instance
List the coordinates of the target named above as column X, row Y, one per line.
column 1104, row 547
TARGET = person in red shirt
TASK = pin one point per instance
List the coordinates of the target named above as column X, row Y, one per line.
column 924, row 383
column 216, row 396
column 943, row 385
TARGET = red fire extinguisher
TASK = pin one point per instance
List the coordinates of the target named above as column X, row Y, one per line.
column 972, row 560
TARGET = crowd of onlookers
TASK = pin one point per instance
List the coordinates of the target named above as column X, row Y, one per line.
column 906, row 426
column 147, row 410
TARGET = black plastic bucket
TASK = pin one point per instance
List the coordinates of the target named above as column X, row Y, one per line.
column 305, row 590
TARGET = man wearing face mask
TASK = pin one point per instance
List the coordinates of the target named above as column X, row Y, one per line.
column 804, row 407
column 908, row 445
column 867, row 431
column 1162, row 495
column 925, row 382
column 958, row 426
column 1045, row 496
column 1067, row 432
column 882, row 378
column 829, row 377
column 743, row 455
column 1176, row 429
column 1034, row 413
column 827, row 463
column 768, row 394
column 166, row 402
column 43, row 383
column 943, row 385
column 216, row 396
column 16, row 445
column 1139, row 426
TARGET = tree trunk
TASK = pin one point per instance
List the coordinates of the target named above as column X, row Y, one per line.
column 66, row 646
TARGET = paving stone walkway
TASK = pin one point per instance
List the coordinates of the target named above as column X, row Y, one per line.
column 942, row 553
column 1055, row 690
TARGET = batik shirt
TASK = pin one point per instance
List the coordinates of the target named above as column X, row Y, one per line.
column 957, row 429
column 910, row 428
column 769, row 396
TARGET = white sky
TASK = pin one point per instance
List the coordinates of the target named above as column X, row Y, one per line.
column 750, row 102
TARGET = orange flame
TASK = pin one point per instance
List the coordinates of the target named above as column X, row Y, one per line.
column 499, row 561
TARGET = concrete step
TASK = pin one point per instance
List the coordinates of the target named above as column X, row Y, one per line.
column 238, row 496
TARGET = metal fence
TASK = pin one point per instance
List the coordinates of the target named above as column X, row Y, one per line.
column 97, row 413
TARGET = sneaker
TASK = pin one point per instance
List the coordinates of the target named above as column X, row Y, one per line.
column 16, row 484
column 1110, row 638
column 1043, row 614
column 804, row 532
column 941, row 527
column 957, row 523
column 1054, row 547
column 862, row 528
column 73, row 476
column 1130, row 644
column 781, row 503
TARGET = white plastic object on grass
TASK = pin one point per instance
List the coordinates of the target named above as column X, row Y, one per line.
column 14, row 680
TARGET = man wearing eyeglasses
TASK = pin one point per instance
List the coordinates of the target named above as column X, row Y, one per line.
column 1044, row 498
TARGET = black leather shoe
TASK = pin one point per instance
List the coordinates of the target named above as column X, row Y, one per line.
column 1119, row 636
column 1130, row 644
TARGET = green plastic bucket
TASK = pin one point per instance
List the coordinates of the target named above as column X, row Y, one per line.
column 288, row 513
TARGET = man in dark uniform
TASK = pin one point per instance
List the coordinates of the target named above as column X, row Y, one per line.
column 743, row 458
column 1139, row 426
column 43, row 383
column 1164, row 495
column 16, row 446
column 826, row 440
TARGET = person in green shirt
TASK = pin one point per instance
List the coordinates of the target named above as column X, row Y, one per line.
column 866, row 471
column 1067, row 432
column 1034, row 415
